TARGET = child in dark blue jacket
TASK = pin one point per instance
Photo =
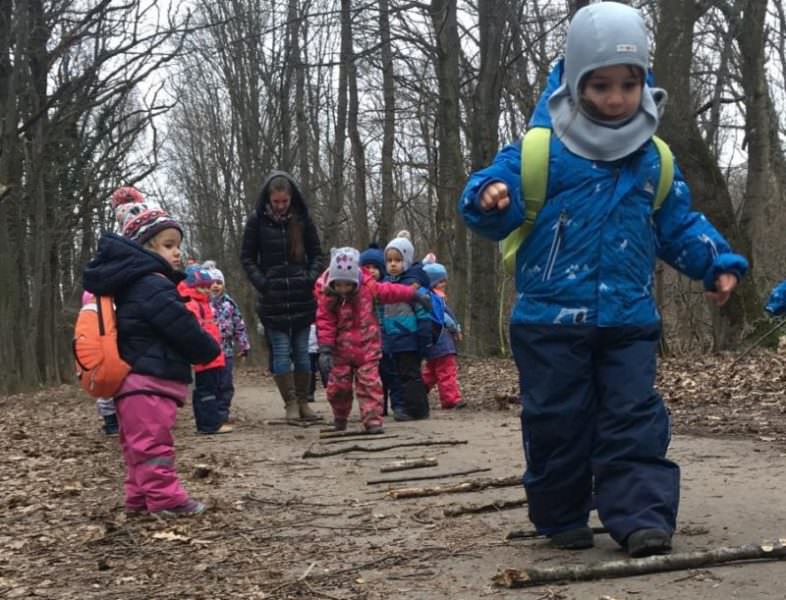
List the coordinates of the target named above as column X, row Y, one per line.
column 406, row 330
column 585, row 325
column 159, row 338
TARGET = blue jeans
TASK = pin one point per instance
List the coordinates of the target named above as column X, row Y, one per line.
column 288, row 349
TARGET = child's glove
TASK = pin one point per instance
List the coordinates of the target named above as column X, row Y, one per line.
column 776, row 305
column 325, row 359
column 424, row 299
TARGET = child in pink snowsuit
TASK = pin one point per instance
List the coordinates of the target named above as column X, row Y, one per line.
column 441, row 367
column 349, row 338
column 159, row 338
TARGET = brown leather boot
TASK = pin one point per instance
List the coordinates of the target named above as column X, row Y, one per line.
column 286, row 387
column 302, row 384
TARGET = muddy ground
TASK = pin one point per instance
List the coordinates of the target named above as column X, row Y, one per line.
column 283, row 526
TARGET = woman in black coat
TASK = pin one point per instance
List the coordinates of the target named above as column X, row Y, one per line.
column 282, row 257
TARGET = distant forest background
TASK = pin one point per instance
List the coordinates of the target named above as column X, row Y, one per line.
column 380, row 109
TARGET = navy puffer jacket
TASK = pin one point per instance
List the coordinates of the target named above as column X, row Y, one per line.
column 285, row 288
column 156, row 334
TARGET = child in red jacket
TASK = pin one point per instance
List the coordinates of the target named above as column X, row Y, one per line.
column 206, row 396
column 349, row 339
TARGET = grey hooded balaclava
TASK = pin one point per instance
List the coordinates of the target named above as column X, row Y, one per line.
column 602, row 35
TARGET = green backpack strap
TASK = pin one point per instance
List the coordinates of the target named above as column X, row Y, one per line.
column 666, row 177
column 534, row 181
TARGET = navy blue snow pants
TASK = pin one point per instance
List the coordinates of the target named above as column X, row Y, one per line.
column 595, row 431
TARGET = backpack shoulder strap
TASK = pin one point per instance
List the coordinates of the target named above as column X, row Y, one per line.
column 666, row 177
column 534, row 183
column 535, row 170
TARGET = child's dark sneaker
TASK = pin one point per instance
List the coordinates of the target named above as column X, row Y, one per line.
column 339, row 425
column 135, row 511
column 648, row 542
column 402, row 416
column 189, row 509
column 110, row 424
column 375, row 429
column 579, row 538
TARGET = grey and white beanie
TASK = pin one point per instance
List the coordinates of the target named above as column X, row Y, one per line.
column 344, row 265
column 404, row 246
column 602, row 35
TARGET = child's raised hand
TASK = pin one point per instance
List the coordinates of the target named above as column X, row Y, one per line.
column 495, row 196
column 724, row 286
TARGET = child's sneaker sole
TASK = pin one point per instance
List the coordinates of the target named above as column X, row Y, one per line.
column 189, row 509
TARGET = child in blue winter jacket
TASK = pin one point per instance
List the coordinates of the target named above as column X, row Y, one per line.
column 585, row 326
column 441, row 367
column 406, row 330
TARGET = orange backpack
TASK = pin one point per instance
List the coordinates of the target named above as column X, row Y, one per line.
column 99, row 367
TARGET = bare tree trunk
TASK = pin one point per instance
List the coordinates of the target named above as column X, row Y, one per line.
column 764, row 188
column 673, row 51
column 484, row 143
column 450, row 169
column 360, row 234
column 333, row 213
column 387, row 211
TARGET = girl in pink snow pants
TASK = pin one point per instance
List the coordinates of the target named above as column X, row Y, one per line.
column 158, row 337
column 349, row 336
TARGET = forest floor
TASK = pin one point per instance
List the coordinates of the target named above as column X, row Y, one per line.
column 283, row 526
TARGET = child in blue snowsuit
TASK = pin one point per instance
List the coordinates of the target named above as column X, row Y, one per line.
column 406, row 331
column 585, row 327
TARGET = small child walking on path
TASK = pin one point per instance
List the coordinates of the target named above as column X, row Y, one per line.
column 159, row 338
column 234, row 337
column 372, row 259
column 349, row 340
column 585, row 326
column 206, row 396
column 407, row 329
column 441, row 367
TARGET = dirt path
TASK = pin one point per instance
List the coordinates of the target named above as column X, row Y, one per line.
column 281, row 526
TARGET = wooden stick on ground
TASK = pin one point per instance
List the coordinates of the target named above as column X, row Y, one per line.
column 456, row 488
column 521, row 534
column 293, row 423
column 513, row 578
column 332, row 433
column 424, row 477
column 410, row 463
column 344, row 441
column 355, row 448
column 472, row 509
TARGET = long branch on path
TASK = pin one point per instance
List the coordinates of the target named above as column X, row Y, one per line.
column 409, row 463
column 514, row 578
column 456, row 488
column 473, row 509
column 356, row 448
column 343, row 441
column 425, row 477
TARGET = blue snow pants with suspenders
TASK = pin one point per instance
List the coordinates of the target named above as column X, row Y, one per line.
column 595, row 430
